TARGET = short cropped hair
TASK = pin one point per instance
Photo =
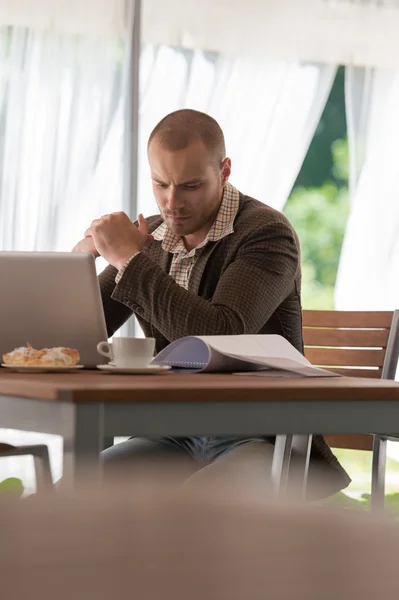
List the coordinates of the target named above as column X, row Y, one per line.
column 181, row 128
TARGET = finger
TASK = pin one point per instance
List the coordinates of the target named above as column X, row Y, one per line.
column 143, row 225
column 150, row 238
column 89, row 231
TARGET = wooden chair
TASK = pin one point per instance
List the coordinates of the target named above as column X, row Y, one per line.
column 356, row 344
column 41, row 459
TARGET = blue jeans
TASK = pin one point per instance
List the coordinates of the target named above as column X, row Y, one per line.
column 198, row 450
column 198, row 463
column 238, row 461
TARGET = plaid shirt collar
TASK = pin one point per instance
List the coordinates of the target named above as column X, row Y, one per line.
column 223, row 225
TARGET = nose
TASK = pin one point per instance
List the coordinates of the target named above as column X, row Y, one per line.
column 174, row 199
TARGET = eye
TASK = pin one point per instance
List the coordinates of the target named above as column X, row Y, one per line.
column 160, row 185
column 192, row 186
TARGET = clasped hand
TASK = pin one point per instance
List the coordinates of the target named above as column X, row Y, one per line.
column 115, row 237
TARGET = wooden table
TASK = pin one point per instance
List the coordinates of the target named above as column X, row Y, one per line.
column 85, row 407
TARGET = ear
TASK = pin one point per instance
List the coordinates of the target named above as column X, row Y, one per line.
column 225, row 171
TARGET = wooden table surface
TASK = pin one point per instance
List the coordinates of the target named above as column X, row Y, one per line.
column 94, row 386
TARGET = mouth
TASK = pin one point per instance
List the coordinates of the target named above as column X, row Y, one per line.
column 178, row 219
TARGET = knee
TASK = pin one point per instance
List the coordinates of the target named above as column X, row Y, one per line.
column 140, row 460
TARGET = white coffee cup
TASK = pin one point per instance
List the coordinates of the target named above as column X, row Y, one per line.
column 128, row 352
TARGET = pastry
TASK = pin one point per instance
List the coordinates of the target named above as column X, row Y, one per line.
column 19, row 356
column 46, row 357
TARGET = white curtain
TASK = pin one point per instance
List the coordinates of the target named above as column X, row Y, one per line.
column 268, row 111
column 62, row 115
column 357, row 32
column 61, row 135
column 67, row 16
column 368, row 272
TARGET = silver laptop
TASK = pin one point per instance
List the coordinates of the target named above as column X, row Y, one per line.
column 51, row 299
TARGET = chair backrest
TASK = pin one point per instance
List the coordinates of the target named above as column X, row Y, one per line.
column 355, row 344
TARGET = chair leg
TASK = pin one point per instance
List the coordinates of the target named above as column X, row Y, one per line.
column 281, row 462
column 378, row 474
column 41, row 457
column 302, row 446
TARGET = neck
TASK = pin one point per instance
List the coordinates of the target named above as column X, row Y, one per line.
column 193, row 240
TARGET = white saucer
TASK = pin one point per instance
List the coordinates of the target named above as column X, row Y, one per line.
column 22, row 369
column 150, row 370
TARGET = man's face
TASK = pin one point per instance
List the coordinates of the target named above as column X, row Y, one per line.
column 188, row 187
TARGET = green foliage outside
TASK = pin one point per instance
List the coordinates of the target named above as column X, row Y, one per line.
column 12, row 486
column 318, row 206
column 341, row 500
column 319, row 215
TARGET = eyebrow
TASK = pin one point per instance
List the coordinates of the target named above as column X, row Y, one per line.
column 188, row 182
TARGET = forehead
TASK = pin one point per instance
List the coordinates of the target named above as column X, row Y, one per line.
column 189, row 163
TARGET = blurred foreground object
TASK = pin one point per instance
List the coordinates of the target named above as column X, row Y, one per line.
column 146, row 543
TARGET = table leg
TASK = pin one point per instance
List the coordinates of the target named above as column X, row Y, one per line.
column 281, row 462
column 82, row 450
column 108, row 442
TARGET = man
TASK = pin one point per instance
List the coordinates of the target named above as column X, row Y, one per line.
column 215, row 262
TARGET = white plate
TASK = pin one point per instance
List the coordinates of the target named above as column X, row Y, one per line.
column 151, row 370
column 22, row 369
